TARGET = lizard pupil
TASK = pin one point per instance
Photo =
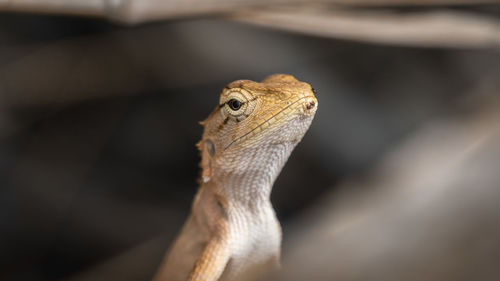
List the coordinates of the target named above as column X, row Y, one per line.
column 234, row 104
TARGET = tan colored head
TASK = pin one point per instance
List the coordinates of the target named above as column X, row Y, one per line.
column 254, row 116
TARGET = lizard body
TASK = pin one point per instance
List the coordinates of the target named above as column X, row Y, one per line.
column 232, row 229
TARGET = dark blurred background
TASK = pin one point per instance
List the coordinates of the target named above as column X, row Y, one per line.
column 99, row 120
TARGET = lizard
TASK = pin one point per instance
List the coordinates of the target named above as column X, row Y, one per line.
column 232, row 231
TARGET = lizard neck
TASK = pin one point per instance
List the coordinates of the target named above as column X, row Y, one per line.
column 248, row 182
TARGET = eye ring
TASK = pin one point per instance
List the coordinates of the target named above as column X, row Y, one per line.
column 237, row 104
column 234, row 104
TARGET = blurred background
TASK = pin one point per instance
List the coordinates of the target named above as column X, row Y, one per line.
column 397, row 179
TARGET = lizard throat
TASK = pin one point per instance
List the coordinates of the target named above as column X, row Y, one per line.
column 250, row 181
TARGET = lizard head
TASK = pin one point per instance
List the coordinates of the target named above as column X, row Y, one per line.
column 252, row 117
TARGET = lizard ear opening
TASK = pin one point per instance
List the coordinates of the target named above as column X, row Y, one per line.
column 210, row 147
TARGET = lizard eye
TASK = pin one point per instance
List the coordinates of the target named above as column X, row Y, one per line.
column 234, row 104
column 237, row 104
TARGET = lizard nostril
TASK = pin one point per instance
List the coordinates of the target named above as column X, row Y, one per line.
column 310, row 105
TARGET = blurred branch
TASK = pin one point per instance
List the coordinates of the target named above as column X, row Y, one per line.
column 86, row 7
column 439, row 29
column 137, row 11
column 328, row 18
column 137, row 263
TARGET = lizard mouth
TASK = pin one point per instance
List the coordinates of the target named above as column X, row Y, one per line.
column 308, row 108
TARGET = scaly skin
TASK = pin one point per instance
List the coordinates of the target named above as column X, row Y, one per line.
column 232, row 232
